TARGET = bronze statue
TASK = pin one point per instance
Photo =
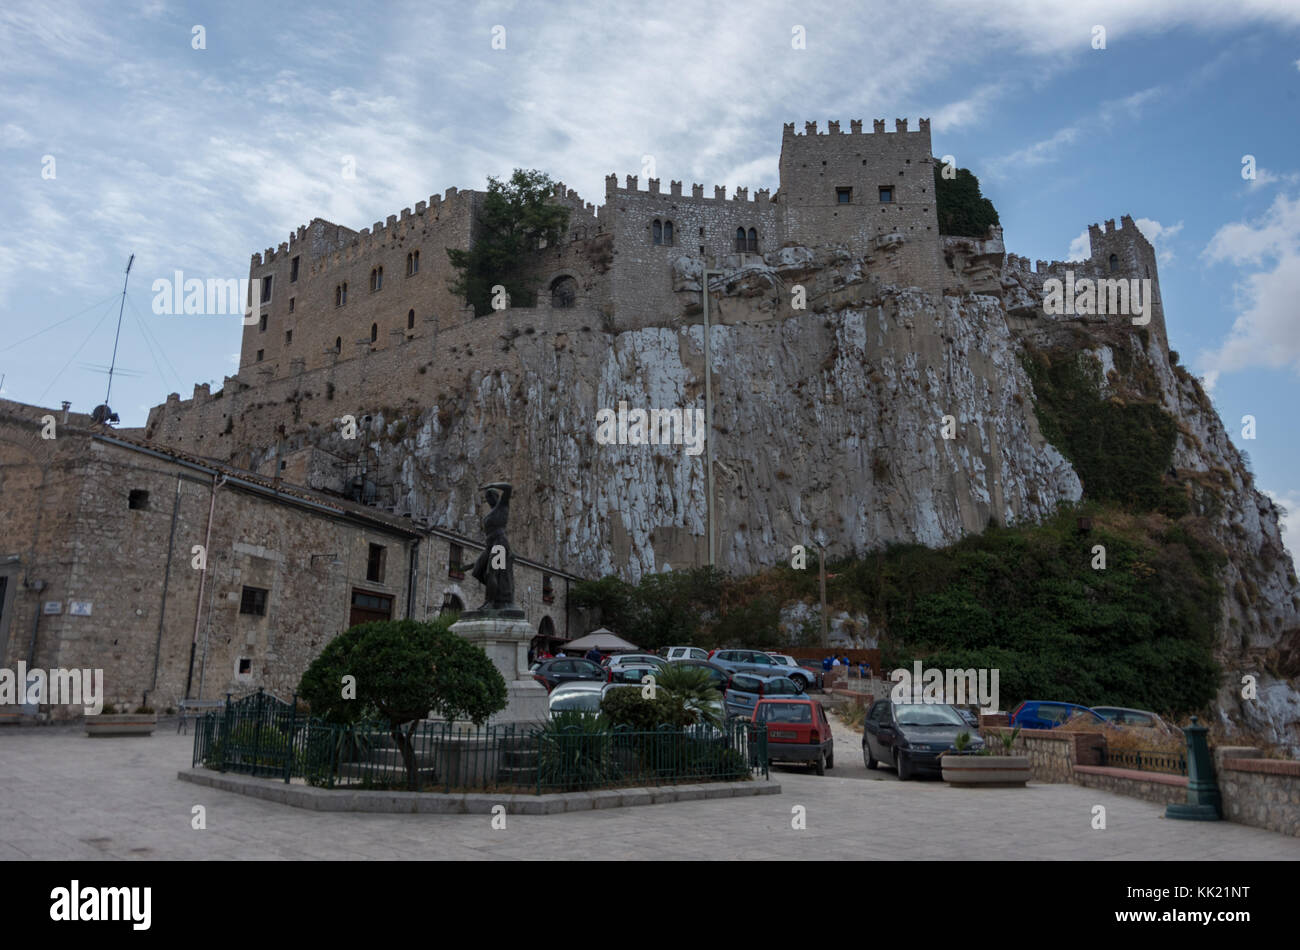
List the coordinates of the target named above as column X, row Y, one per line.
column 495, row 567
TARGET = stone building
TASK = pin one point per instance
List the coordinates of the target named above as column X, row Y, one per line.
column 102, row 566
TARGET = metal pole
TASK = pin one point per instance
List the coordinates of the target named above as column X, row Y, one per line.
column 821, row 570
column 203, row 577
column 120, row 307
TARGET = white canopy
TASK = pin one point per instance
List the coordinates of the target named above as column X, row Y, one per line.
column 606, row 641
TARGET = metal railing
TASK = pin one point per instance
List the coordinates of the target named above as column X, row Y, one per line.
column 264, row 736
column 1146, row 760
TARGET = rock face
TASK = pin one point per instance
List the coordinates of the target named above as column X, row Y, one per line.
column 872, row 414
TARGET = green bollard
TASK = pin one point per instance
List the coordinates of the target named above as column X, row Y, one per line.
column 1203, row 801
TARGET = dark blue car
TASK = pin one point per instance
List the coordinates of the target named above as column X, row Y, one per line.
column 1041, row 714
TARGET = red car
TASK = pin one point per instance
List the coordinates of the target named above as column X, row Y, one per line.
column 797, row 731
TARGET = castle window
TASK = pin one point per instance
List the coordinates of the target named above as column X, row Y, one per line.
column 753, row 241
column 375, row 564
column 657, row 230
column 843, row 196
column 886, row 194
column 412, row 263
column 548, row 589
column 261, row 324
column 668, row 232
column 1114, row 263
column 260, row 355
column 293, row 271
column 340, row 294
column 410, row 319
column 266, row 289
column 252, row 600
column 374, row 332
column 741, row 242
column 455, row 555
column 564, row 292
column 288, row 337
column 138, row 500
column 376, row 279
column 291, row 300
column 338, row 344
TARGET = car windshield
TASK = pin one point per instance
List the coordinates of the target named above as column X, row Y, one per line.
column 926, row 714
column 584, row 702
column 633, row 674
column 785, row 712
column 779, row 686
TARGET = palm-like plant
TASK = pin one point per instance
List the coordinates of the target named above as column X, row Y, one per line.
column 693, row 688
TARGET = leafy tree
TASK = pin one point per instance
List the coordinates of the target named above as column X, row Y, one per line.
column 962, row 210
column 403, row 670
column 516, row 216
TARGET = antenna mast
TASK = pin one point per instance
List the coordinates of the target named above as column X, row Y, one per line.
column 117, row 335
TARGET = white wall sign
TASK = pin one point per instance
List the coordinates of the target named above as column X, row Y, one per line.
column 79, row 608
column 52, row 607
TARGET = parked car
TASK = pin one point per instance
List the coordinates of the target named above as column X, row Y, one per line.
column 749, row 661
column 746, row 689
column 576, row 696
column 631, row 674
column 1038, row 714
column 1142, row 718
column 632, row 659
column 972, row 718
column 685, row 653
column 797, row 731
column 566, row 669
column 799, row 672
column 911, row 737
column 720, row 676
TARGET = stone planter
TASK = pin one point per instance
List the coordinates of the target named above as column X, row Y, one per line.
column 122, row 724
column 986, row 771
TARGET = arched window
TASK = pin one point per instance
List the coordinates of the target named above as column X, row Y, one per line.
column 410, row 319
column 338, row 344
column 564, row 292
column 658, row 231
column 1114, row 263
column 412, row 263
column 741, row 243
column 376, row 279
column 340, row 294
column 668, row 232
column 374, row 332
column 753, row 241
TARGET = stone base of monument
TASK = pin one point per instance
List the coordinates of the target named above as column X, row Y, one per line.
column 505, row 640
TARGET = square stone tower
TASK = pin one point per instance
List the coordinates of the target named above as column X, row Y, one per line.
column 870, row 191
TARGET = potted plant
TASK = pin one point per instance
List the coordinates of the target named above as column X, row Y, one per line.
column 115, row 721
column 985, row 769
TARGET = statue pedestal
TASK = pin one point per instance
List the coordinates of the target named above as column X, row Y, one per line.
column 505, row 640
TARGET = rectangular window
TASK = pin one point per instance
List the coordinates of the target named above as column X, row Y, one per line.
column 293, row 270
column 288, row 337
column 548, row 590
column 245, row 666
column 266, row 289
column 253, row 601
column 886, row 194
column 260, row 355
column 261, row 324
column 375, row 564
column 455, row 555
column 291, row 301
column 138, row 500
column 844, row 196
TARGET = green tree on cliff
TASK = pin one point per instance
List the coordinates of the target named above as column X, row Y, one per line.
column 516, row 217
column 962, row 210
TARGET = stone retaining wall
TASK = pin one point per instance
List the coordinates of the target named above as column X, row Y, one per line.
column 1052, row 753
column 1148, row 786
column 1260, row 792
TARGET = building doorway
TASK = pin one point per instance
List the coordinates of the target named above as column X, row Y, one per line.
column 368, row 606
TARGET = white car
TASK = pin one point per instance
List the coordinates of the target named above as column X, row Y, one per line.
column 633, row 659
column 687, row 653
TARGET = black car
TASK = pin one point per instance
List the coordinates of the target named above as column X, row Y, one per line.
column 567, row 669
column 720, row 676
column 911, row 737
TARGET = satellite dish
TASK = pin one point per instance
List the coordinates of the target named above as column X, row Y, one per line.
column 103, row 415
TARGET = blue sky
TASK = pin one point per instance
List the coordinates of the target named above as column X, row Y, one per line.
column 193, row 159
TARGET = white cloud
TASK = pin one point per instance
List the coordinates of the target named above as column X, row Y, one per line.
column 1264, row 176
column 1160, row 237
column 1290, row 521
column 1265, row 332
column 966, row 112
column 1080, row 247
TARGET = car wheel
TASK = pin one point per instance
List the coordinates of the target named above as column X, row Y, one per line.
column 830, row 761
column 799, row 684
column 905, row 767
column 867, row 757
column 821, row 763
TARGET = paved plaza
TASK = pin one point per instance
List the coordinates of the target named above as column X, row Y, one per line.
column 66, row 796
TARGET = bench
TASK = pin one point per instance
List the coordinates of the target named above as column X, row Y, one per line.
column 194, row 708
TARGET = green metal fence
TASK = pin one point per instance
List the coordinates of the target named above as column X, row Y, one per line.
column 262, row 735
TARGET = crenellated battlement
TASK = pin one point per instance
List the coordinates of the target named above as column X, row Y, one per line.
column 613, row 191
column 855, row 128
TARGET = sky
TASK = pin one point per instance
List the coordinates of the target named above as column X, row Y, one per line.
column 194, row 135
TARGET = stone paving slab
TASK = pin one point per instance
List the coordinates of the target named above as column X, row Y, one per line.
column 66, row 796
